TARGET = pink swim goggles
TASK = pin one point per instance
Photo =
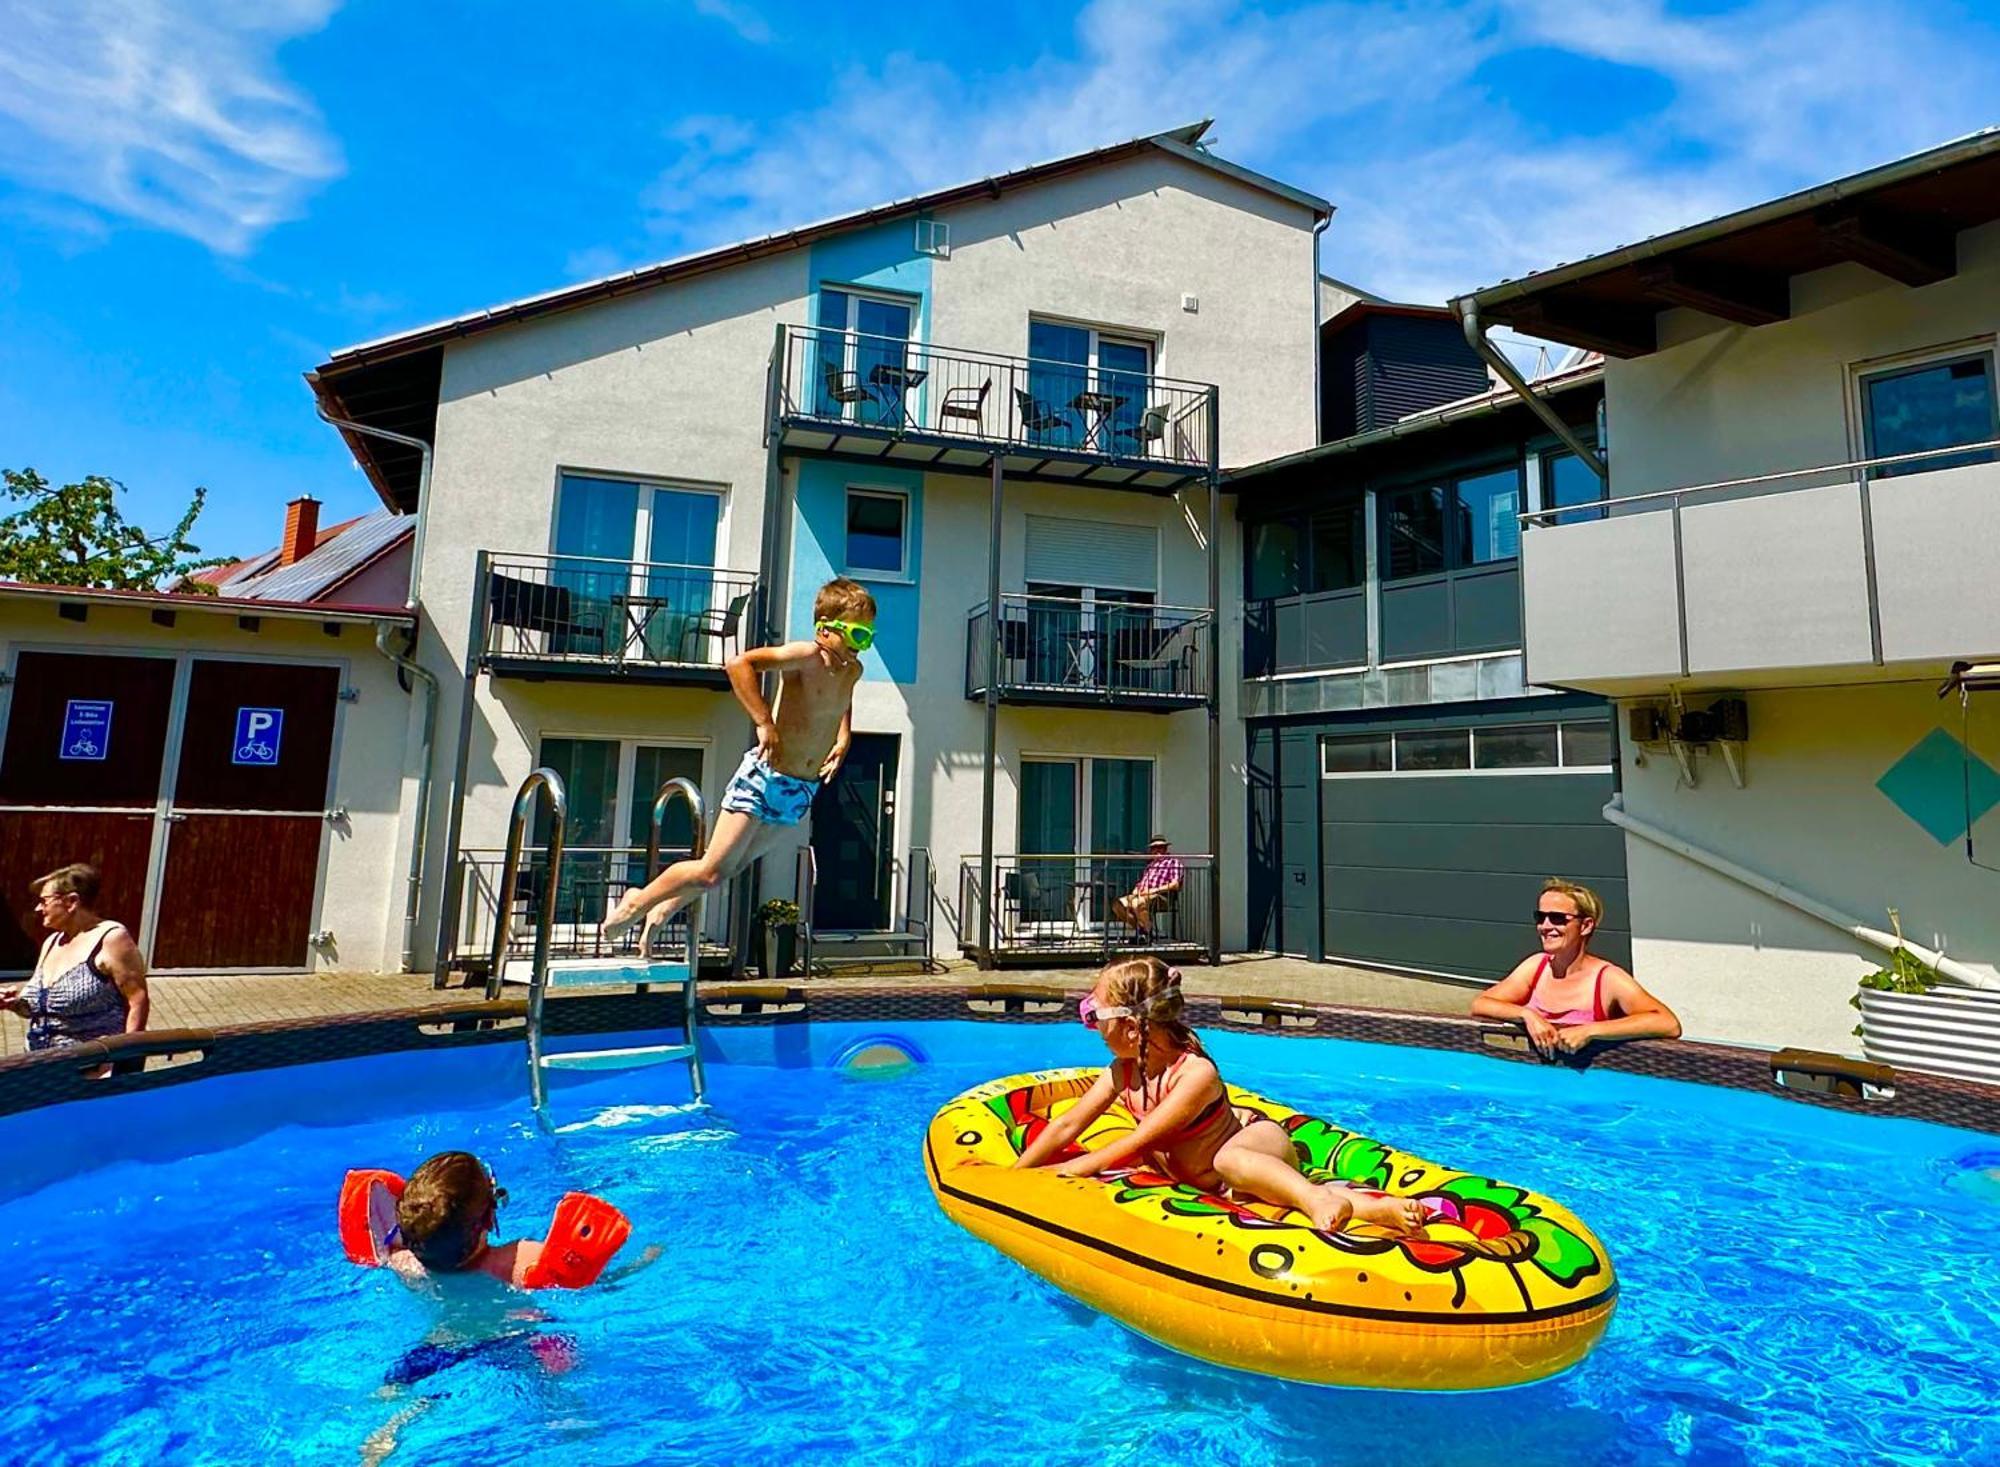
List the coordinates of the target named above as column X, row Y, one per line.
column 1092, row 1015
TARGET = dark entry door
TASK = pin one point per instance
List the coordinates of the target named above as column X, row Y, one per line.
column 248, row 817
column 79, row 781
column 853, row 838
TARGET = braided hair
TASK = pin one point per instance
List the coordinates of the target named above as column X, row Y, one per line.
column 1152, row 991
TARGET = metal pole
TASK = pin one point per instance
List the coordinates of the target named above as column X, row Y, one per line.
column 992, row 721
column 454, row 881
column 1475, row 335
column 684, row 789
column 1214, row 680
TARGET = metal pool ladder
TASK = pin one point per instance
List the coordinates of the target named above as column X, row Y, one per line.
column 641, row 972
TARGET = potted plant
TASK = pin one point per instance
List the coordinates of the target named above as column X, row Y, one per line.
column 1915, row 1018
column 778, row 937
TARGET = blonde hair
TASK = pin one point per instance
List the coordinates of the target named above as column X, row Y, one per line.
column 1588, row 903
column 843, row 600
column 1152, row 991
column 446, row 1210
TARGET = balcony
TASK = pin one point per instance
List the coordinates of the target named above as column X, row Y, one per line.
column 1066, row 653
column 1840, row 570
column 1059, row 907
column 580, row 618
column 894, row 401
column 593, row 878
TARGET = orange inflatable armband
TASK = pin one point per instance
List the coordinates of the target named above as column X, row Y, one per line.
column 585, row 1233
column 368, row 1215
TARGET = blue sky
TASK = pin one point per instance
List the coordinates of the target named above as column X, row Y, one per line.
column 200, row 198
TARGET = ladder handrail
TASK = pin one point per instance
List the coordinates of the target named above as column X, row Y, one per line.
column 539, row 784
column 682, row 788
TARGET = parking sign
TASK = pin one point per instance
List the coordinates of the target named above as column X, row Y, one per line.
column 258, row 733
column 86, row 732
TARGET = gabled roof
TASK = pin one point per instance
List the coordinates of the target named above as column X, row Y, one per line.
column 338, row 554
column 392, row 382
column 195, row 601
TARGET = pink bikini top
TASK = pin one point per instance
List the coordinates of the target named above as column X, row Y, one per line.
column 1566, row 1018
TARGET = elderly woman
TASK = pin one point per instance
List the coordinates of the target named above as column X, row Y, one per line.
column 1563, row 996
column 90, row 981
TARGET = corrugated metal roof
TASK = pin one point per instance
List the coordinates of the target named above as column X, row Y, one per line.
column 332, row 562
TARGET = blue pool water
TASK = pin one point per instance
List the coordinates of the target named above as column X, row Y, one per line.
column 1799, row 1286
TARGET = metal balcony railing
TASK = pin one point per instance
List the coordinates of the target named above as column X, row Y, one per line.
column 1061, row 906
column 593, row 878
column 615, row 616
column 1056, row 649
column 883, row 385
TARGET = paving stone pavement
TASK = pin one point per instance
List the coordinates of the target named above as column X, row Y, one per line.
column 194, row 1002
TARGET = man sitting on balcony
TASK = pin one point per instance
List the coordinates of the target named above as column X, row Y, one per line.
column 1159, row 886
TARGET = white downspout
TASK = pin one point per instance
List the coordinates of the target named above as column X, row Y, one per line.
column 1797, row 900
column 414, row 882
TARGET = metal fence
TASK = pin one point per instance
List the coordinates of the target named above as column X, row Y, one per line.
column 593, row 879
column 617, row 613
column 888, row 384
column 1062, row 906
column 1117, row 650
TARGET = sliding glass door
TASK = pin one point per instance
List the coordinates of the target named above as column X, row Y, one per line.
column 613, row 604
column 1073, row 814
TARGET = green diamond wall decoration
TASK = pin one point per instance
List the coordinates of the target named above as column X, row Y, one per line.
column 1941, row 786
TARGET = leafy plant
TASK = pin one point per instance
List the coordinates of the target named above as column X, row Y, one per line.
column 777, row 912
column 76, row 535
column 1906, row 973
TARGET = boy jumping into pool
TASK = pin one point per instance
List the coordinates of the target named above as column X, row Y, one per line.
column 801, row 739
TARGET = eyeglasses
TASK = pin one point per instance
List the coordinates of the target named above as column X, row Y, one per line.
column 860, row 636
column 56, row 896
column 1555, row 919
column 1088, row 1011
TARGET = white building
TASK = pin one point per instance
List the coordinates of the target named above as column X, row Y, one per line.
column 1802, row 540
column 631, row 478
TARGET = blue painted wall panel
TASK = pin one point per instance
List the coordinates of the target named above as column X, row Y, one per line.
column 819, row 538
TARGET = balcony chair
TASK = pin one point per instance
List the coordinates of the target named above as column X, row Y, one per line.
column 966, row 403
column 532, row 606
column 1174, row 650
column 844, row 388
column 1037, row 416
column 724, row 625
column 1151, row 429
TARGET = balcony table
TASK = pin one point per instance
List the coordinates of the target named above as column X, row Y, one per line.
column 1097, row 408
column 892, row 383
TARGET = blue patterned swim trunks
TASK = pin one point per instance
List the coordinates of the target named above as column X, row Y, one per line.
column 762, row 793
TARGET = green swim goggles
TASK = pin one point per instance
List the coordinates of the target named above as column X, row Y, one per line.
column 859, row 635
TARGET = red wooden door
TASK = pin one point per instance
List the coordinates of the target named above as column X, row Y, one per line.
column 248, row 819
column 79, row 781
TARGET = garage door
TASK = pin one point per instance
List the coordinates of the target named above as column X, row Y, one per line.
column 1435, row 841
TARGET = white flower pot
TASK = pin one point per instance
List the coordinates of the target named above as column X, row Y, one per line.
column 1948, row 1031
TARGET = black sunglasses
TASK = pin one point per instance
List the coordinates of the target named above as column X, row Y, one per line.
column 1558, row 919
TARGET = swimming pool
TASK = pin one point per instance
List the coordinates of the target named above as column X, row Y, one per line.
column 1799, row 1286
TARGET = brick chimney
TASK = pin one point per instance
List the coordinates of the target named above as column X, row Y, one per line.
column 301, row 530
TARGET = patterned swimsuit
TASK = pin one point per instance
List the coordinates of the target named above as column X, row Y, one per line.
column 76, row 1005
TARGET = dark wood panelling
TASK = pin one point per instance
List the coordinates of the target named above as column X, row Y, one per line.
column 216, row 691
column 238, row 891
column 140, row 690
column 33, row 843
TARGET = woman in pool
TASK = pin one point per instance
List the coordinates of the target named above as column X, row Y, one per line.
column 1186, row 1125
column 1565, row 997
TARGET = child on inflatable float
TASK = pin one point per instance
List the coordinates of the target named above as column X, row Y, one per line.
column 438, row 1222
column 1187, row 1127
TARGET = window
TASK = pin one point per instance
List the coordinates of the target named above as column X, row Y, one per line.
column 1928, row 406
column 1276, row 563
column 1489, row 527
column 1580, row 744
column 1074, row 808
column 1566, row 481
column 863, row 338
column 638, row 561
column 611, row 784
column 1339, row 547
column 1086, row 388
column 877, row 533
column 1414, row 521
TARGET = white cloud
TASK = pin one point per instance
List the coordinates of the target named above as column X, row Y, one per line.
column 172, row 115
column 1385, row 108
column 740, row 18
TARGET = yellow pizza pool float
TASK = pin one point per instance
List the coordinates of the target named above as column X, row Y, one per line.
column 1503, row 1286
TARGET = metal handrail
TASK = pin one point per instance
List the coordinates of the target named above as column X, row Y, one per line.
column 539, row 784
column 978, row 354
column 1010, row 598
column 508, row 557
column 1531, row 519
column 682, row 788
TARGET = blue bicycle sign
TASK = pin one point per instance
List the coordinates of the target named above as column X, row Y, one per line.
column 259, row 732
column 86, row 731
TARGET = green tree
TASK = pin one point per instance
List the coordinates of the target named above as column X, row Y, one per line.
column 77, row 536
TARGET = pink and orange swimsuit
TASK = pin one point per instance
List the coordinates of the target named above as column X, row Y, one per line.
column 1569, row 1018
column 1186, row 1154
